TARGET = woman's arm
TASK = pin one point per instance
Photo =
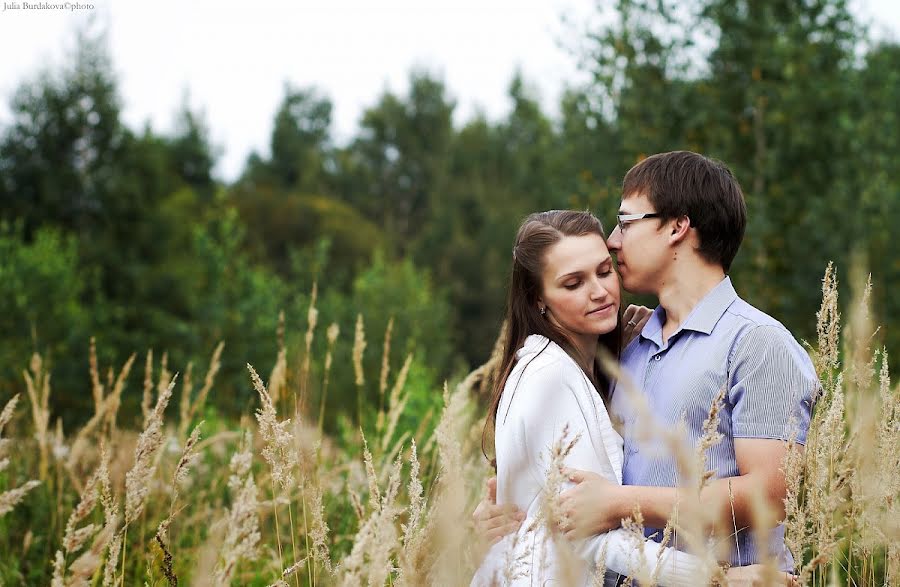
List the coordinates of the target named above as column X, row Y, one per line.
column 627, row 554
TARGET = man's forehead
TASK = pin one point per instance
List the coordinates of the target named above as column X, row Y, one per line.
column 633, row 201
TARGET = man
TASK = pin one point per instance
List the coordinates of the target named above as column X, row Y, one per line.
column 680, row 224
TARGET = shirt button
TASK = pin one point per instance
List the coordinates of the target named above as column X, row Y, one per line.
column 657, row 357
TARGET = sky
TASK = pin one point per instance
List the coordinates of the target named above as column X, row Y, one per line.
column 231, row 60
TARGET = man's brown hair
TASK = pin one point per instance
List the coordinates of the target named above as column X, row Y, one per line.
column 683, row 183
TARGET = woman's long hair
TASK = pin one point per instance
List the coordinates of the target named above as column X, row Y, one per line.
column 536, row 235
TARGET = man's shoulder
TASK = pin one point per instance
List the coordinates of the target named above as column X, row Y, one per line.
column 757, row 331
column 751, row 316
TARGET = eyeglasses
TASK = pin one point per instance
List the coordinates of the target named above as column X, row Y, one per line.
column 623, row 220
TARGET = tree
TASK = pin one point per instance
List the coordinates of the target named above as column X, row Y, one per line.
column 398, row 164
column 300, row 145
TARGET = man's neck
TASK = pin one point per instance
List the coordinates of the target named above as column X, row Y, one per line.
column 683, row 290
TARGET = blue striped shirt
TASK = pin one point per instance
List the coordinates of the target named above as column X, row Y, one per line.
column 725, row 342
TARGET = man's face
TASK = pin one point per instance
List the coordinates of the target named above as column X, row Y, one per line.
column 640, row 246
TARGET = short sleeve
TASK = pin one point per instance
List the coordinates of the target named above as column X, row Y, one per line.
column 772, row 386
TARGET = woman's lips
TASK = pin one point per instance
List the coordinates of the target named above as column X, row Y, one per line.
column 602, row 310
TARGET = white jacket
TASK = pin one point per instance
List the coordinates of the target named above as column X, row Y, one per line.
column 546, row 391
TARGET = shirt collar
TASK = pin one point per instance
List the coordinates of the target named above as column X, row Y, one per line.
column 702, row 318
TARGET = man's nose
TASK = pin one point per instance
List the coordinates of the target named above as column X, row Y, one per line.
column 614, row 242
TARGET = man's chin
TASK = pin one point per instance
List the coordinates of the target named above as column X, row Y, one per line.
column 634, row 287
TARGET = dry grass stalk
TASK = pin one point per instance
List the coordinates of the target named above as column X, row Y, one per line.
column 189, row 456
column 111, row 518
column 447, row 552
column 184, row 403
column 215, row 363
column 708, row 439
column 395, row 403
column 10, row 498
column 81, row 444
column 288, row 572
column 114, row 400
column 279, row 440
column 58, row 447
column 369, row 561
column 319, row 531
column 278, row 376
column 164, row 377
column 137, row 480
column 332, row 334
column 374, row 492
column 5, row 417
column 112, row 560
column 385, row 362
column 764, row 519
column 312, row 317
column 242, row 519
column 359, row 347
column 96, row 387
column 828, row 327
column 147, row 396
column 668, row 531
column 106, row 412
column 83, row 568
column 413, row 556
column 569, row 568
column 277, row 436
column 38, row 386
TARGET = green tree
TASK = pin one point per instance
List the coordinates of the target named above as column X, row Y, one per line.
column 300, row 145
column 398, row 164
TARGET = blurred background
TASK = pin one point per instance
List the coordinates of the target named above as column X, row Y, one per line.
column 173, row 174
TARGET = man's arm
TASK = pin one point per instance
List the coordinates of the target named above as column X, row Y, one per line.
column 596, row 505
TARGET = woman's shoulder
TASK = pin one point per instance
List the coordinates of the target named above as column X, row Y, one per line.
column 539, row 353
column 543, row 364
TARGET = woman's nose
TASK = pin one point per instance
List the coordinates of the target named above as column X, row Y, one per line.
column 598, row 290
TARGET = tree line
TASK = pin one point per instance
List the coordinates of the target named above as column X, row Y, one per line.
column 126, row 235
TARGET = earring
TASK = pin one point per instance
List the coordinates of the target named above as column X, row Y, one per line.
column 544, row 311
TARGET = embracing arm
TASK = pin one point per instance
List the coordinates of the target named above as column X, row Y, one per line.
column 732, row 499
column 772, row 390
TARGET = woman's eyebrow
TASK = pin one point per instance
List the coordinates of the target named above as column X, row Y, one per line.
column 608, row 259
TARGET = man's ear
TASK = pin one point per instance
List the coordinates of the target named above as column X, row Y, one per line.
column 679, row 228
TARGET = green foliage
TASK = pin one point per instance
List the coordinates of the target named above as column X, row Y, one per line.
column 151, row 251
column 422, row 326
column 40, row 300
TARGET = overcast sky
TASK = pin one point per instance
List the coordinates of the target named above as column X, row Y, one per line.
column 232, row 58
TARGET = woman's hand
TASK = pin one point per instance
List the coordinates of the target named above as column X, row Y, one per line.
column 492, row 521
column 633, row 320
column 589, row 507
column 758, row 576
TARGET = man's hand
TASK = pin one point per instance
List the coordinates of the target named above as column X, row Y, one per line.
column 589, row 507
column 633, row 320
column 492, row 521
column 758, row 576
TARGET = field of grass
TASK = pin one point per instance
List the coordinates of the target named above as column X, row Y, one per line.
column 185, row 497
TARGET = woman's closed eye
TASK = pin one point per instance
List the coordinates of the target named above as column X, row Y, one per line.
column 572, row 286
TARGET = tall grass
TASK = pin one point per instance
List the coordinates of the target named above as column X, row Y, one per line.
column 276, row 502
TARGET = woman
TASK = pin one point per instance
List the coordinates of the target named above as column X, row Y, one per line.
column 563, row 304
